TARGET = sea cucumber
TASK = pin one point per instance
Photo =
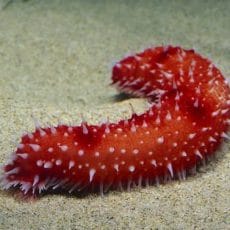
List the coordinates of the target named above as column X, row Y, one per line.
column 188, row 119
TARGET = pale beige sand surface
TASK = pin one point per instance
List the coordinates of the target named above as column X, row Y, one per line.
column 55, row 60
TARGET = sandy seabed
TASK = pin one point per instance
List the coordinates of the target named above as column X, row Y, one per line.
column 55, row 64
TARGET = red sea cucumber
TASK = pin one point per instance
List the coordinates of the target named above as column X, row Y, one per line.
column 187, row 121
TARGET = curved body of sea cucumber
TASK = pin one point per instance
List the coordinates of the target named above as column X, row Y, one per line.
column 187, row 121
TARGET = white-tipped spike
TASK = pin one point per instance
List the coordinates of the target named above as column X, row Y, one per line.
column 48, row 165
column 197, row 152
column 23, row 155
column 212, row 139
column 39, row 163
column 35, row 147
column 174, row 84
column 193, row 63
column 204, row 129
column 50, row 150
column 70, row 129
column 158, row 120
column 91, row 174
column 160, row 140
column 198, row 90
column 184, row 154
column 154, row 163
column 36, row 180
column 12, row 171
column 84, row 128
column 42, row 132
column 167, row 74
column 225, row 135
column 71, row 164
column 101, row 189
column 41, row 187
column 25, row 187
column 66, row 134
column 5, row 184
column 215, row 113
column 150, row 112
column 211, row 81
column 170, row 169
column 63, row 148
column 111, row 149
column 74, row 187
column 144, row 125
column 183, row 174
column 107, row 129
column 118, row 65
column 60, row 184
column 131, row 168
column 31, row 136
column 223, row 111
column 140, row 181
column 176, row 107
column 133, row 128
column 53, row 130
column 81, row 152
column 191, row 135
column 159, row 65
column 129, row 185
column 137, row 58
column 116, row 167
column 177, row 96
column 12, row 159
column 168, row 116
column 128, row 66
column 20, row 146
column 196, row 103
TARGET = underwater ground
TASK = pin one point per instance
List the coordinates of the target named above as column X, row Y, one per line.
column 55, row 64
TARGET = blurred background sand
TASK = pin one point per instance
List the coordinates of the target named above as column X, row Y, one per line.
column 55, row 64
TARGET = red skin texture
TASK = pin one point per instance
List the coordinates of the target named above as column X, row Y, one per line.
column 187, row 122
